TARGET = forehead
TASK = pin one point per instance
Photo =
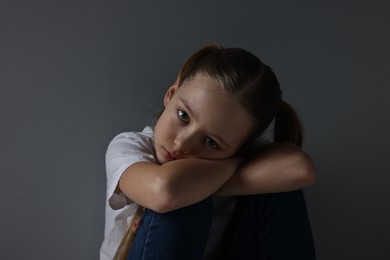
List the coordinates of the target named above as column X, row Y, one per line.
column 214, row 110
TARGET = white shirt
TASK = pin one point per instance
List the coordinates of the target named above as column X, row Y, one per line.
column 123, row 151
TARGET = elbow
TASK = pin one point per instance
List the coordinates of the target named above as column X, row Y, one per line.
column 163, row 204
column 165, row 199
column 308, row 172
column 155, row 195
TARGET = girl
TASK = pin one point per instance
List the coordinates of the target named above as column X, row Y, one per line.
column 202, row 184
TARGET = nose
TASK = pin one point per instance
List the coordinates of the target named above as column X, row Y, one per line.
column 184, row 143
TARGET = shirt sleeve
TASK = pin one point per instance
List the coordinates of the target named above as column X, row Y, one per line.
column 123, row 151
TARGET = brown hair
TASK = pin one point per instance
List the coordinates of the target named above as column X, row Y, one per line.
column 127, row 240
column 243, row 75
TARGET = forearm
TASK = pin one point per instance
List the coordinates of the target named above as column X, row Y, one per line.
column 278, row 167
column 175, row 184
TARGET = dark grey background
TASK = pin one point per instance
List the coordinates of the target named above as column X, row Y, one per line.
column 75, row 73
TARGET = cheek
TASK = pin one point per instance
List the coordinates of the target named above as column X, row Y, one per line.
column 164, row 126
column 169, row 118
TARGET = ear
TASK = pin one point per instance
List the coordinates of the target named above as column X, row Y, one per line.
column 170, row 92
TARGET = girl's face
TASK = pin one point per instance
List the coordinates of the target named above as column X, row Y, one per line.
column 200, row 121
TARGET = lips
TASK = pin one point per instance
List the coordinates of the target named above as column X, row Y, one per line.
column 169, row 155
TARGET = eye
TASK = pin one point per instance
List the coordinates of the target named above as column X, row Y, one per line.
column 183, row 116
column 211, row 143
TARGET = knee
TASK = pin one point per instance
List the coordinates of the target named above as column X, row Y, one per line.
column 197, row 214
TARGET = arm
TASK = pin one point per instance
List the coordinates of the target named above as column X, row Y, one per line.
column 175, row 184
column 277, row 167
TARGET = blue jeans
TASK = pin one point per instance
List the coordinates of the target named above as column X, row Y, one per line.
column 180, row 234
column 267, row 226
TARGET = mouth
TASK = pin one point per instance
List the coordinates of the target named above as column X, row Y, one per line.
column 169, row 155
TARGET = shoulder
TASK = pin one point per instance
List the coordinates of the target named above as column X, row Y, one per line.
column 135, row 137
column 130, row 147
column 133, row 140
column 125, row 150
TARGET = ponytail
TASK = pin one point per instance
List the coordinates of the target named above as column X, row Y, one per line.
column 288, row 126
column 127, row 240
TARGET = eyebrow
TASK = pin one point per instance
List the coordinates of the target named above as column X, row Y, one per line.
column 216, row 137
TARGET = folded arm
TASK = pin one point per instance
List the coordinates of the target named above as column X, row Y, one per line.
column 175, row 184
column 278, row 167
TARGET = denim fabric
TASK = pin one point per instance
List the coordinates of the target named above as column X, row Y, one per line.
column 181, row 234
column 263, row 227
column 270, row 227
